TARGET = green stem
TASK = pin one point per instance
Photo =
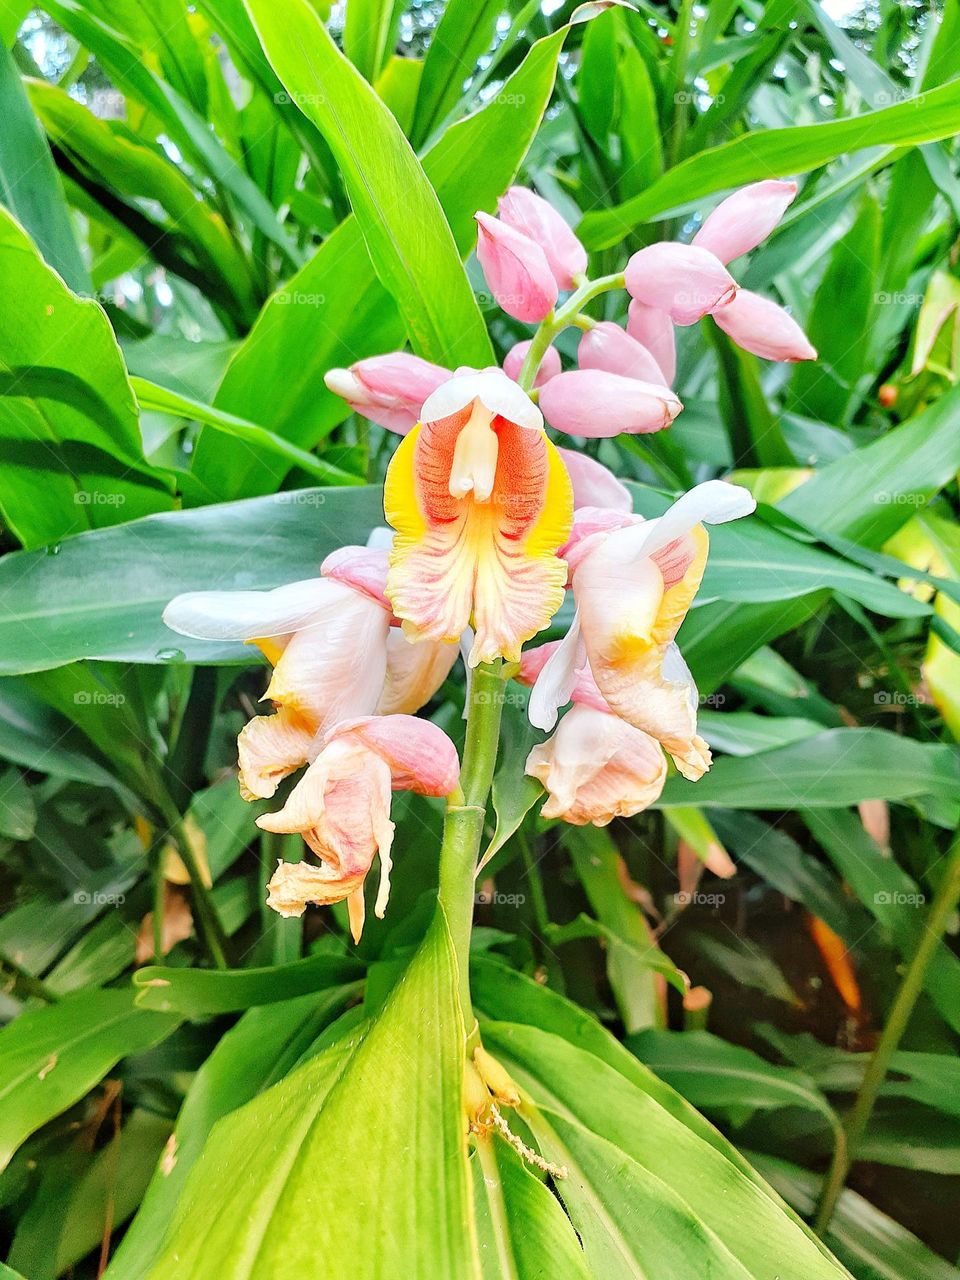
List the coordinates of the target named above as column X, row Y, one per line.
column 463, row 827
column 944, row 903
column 561, row 319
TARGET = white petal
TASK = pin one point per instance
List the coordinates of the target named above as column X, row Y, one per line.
column 714, row 502
column 245, row 615
column 554, row 685
column 495, row 391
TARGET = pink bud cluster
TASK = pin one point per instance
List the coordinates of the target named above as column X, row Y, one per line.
column 623, row 379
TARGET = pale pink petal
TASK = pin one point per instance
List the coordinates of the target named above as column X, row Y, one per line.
column 607, row 346
column 743, row 220
column 596, row 767
column 578, row 683
column 682, row 279
column 516, row 270
column 596, row 404
column 493, row 389
column 414, row 673
column 246, row 615
column 593, row 484
column 550, row 364
column 653, row 328
column 760, row 326
column 556, row 679
column 362, row 568
column 389, row 389
column 529, row 213
column 418, row 753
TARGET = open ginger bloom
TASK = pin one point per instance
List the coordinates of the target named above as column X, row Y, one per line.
column 341, row 807
column 633, row 582
column 480, row 500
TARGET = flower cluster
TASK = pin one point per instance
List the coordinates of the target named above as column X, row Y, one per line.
column 493, row 525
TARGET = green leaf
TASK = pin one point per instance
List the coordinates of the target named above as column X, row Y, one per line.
column 633, row 957
column 718, row 1077
column 407, row 235
column 198, row 993
column 30, row 186
column 523, row 1232
column 645, row 1193
column 335, row 310
column 833, row 768
column 845, row 303
column 150, row 396
column 874, row 491
column 513, row 793
column 773, row 152
column 68, row 421
column 142, row 565
column 263, row 1045
column 322, row 1147
column 18, row 810
column 49, row 1058
column 863, row 1235
column 368, row 33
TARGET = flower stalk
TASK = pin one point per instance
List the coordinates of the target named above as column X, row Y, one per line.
column 463, row 827
column 562, row 318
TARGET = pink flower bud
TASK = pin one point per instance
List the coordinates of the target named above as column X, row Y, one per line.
column 740, row 222
column 594, row 403
column 516, row 269
column 388, row 390
column 607, row 346
column 549, row 366
column 682, row 279
column 593, row 484
column 760, row 326
column 527, row 212
column 654, row 329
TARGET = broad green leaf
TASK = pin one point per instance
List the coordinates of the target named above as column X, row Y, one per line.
column 719, row 1077
column 874, row 491
column 742, row 733
column 257, row 543
column 745, row 964
column 73, row 458
column 49, row 1058
column 198, row 993
column 522, row 1231
column 255, row 1053
column 368, row 33
column 845, row 303
column 30, row 186
column 304, row 1176
column 774, row 152
column 830, row 769
column 513, row 793
column 863, row 1236
column 632, row 953
column 335, row 309
column 406, row 233
column 150, row 396
column 34, row 736
column 465, row 31
column 631, row 1161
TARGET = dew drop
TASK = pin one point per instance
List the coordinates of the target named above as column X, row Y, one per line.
column 170, row 655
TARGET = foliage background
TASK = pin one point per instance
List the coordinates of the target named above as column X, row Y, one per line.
column 180, row 266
